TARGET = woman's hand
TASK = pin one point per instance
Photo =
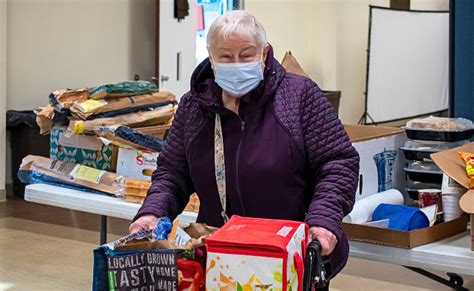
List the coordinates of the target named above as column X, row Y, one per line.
column 326, row 238
column 145, row 222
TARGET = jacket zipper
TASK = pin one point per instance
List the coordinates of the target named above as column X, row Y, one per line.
column 242, row 128
column 237, row 183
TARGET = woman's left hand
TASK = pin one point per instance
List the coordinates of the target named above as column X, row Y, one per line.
column 326, row 238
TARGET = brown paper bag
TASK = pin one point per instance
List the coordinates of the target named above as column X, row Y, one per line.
column 291, row 65
column 44, row 119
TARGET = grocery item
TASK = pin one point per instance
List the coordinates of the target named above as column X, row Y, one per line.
column 440, row 123
column 412, row 187
column 418, row 150
column 101, row 108
column 134, row 199
column 126, row 88
column 364, row 208
column 152, row 264
column 439, row 129
column 192, row 275
column 428, row 197
column 469, row 159
column 159, row 116
column 162, row 229
column 193, row 204
column 401, row 217
column 451, row 207
column 135, row 187
column 33, row 168
column 424, row 172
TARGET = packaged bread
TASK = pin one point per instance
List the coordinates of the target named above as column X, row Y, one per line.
column 135, row 187
column 134, row 199
column 193, row 204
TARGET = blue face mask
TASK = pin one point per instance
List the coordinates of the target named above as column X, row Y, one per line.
column 238, row 79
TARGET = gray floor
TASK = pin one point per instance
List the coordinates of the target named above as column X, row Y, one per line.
column 48, row 248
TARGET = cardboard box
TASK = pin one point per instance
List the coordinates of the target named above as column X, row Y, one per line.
column 453, row 166
column 381, row 160
column 82, row 149
column 404, row 239
column 138, row 164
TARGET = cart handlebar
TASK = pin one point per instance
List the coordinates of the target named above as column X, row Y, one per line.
column 315, row 275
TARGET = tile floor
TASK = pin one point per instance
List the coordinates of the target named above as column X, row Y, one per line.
column 30, row 233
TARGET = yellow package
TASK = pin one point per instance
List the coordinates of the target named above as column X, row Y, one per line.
column 469, row 159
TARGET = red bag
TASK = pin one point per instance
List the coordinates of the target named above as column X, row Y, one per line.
column 252, row 253
column 192, row 275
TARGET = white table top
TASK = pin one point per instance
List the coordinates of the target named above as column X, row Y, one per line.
column 89, row 202
column 449, row 255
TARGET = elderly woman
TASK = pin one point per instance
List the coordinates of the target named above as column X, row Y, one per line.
column 253, row 140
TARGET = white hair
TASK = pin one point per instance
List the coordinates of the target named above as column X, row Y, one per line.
column 237, row 22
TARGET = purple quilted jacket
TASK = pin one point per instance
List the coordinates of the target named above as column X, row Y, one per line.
column 287, row 156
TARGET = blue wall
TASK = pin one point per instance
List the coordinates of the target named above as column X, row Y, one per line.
column 463, row 69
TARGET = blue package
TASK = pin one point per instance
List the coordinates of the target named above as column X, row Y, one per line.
column 162, row 229
column 401, row 217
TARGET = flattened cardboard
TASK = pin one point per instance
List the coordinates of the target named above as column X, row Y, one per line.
column 358, row 133
column 467, row 202
column 404, row 239
column 453, row 166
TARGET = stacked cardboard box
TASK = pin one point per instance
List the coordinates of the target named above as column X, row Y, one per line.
column 118, row 129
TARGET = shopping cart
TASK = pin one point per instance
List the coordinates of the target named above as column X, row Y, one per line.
column 316, row 268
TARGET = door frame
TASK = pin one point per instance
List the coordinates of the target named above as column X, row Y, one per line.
column 157, row 42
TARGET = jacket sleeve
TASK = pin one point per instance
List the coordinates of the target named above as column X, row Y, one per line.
column 332, row 161
column 171, row 182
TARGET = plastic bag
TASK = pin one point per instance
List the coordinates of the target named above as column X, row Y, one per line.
column 126, row 88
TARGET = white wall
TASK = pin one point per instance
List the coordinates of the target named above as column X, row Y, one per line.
column 56, row 44
column 329, row 39
column 3, row 85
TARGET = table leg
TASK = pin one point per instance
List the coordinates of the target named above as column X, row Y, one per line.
column 103, row 229
column 456, row 285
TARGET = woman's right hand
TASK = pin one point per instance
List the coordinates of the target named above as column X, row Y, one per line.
column 145, row 222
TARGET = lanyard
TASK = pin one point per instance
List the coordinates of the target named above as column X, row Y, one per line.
column 219, row 165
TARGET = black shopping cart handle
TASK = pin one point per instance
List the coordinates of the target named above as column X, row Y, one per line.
column 315, row 275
